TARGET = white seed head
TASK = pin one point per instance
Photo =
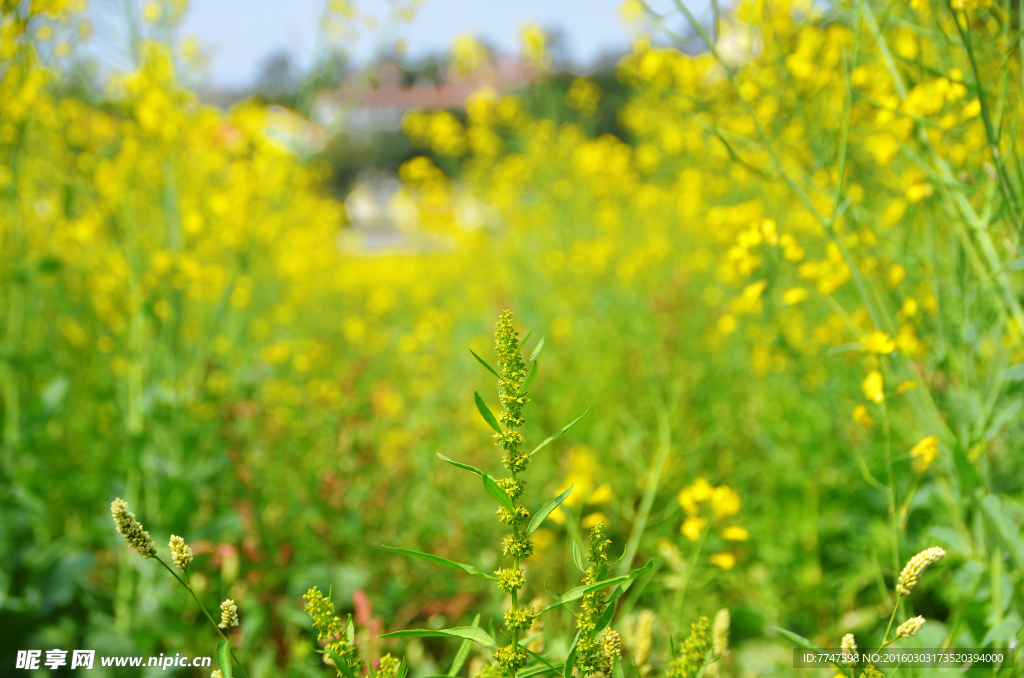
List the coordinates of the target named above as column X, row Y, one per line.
column 912, row 572
column 849, row 647
column 910, row 627
column 132, row 530
column 181, row 553
column 228, row 614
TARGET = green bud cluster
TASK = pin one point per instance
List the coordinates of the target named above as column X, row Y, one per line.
column 389, row 667
column 131, row 529
column 330, row 628
column 518, row 546
column 510, row 579
column 513, row 488
column 518, row 516
column 690, row 660
column 519, row 619
column 511, row 658
column 589, row 655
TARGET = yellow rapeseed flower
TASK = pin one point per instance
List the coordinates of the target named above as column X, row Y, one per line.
column 725, row 560
column 924, row 453
column 795, row 295
column 873, row 386
column 693, row 527
column 725, row 502
column 861, row 416
column 735, row 533
column 879, row 342
column 905, row 386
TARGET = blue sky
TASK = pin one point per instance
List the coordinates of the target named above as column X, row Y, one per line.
column 241, row 34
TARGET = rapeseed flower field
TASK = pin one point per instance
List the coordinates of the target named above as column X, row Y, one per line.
column 776, row 327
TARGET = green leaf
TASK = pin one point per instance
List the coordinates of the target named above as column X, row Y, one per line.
column 469, row 569
column 499, row 495
column 463, row 653
column 617, row 668
column 577, row 593
column 558, row 435
column 534, row 671
column 529, row 379
column 224, row 658
column 1004, row 528
column 545, row 661
column 570, row 659
column 471, row 469
column 539, row 517
column 536, row 350
column 350, row 630
column 478, row 636
column 403, row 669
column 526, row 338
column 486, row 413
column 484, row 363
column 1002, row 632
column 808, row 645
column 577, row 557
column 340, row 664
column 1014, row 372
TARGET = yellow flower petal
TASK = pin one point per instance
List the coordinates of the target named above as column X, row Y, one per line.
column 873, row 386
column 735, row 533
column 693, row 527
column 724, row 560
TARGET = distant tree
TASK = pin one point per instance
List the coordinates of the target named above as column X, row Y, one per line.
column 279, row 74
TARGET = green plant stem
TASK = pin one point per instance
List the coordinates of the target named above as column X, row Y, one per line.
column 680, row 596
column 651, row 487
column 187, row 583
column 188, row 588
column 895, row 608
column 892, row 489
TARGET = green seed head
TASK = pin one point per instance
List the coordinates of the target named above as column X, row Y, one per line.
column 181, row 553
column 511, row 658
column 517, row 546
column 513, row 488
column 519, row 619
column 910, row 627
column 132, row 530
column 518, row 516
column 915, row 566
column 228, row 614
column 510, row 579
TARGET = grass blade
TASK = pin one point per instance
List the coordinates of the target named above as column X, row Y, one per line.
column 559, row 434
column 539, row 517
column 529, row 379
column 224, row 658
column 471, row 469
column 526, row 338
column 499, row 495
column 484, row 363
column 463, row 653
column 478, row 636
column 536, row 350
column 469, row 569
column 577, row 593
column 808, row 645
column 486, row 413
column 577, row 557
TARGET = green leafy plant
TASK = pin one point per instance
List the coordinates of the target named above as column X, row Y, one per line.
column 586, row 653
column 181, row 555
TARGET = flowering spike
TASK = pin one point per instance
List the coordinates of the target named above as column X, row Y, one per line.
column 132, row 530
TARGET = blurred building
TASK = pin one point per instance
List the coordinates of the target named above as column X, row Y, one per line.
column 378, row 100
